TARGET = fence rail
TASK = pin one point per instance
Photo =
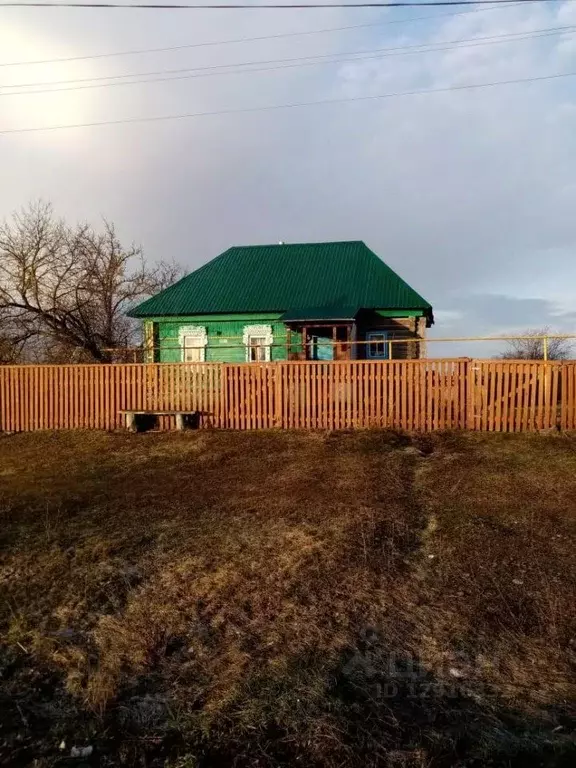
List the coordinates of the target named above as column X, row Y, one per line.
column 420, row 395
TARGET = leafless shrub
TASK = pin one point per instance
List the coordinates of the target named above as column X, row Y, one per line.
column 531, row 346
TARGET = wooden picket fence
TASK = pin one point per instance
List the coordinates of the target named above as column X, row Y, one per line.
column 420, row 395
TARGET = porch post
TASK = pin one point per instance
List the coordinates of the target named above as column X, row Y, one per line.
column 354, row 338
column 304, row 340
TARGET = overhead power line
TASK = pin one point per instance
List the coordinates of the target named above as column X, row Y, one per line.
column 267, row 6
column 296, row 105
column 259, row 38
column 289, row 63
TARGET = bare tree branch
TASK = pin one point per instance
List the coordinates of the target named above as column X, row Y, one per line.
column 68, row 288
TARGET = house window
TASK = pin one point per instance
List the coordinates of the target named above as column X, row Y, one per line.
column 191, row 352
column 377, row 347
column 257, row 349
column 193, row 340
column 258, row 341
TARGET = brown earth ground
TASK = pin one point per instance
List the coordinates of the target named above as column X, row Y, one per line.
column 271, row 599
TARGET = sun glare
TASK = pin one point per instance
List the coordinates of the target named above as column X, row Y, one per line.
column 21, row 107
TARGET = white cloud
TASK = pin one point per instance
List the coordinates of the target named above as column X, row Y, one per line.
column 448, row 317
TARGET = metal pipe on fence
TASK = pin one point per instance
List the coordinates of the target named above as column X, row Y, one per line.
column 407, row 339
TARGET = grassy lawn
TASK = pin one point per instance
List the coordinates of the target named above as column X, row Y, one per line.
column 270, row 599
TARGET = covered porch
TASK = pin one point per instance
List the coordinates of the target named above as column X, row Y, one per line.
column 321, row 333
column 351, row 333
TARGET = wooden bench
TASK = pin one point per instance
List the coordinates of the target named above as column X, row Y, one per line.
column 132, row 423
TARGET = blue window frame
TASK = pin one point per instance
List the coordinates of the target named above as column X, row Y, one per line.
column 377, row 346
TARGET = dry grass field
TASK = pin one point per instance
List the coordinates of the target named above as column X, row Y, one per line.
column 273, row 599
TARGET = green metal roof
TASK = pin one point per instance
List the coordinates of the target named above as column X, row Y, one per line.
column 277, row 278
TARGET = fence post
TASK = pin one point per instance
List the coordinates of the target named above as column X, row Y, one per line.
column 278, row 393
column 470, row 377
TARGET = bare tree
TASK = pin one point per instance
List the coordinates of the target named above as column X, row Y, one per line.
column 67, row 289
column 531, row 347
column 10, row 351
column 13, row 339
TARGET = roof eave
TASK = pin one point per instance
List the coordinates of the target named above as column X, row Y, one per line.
column 142, row 315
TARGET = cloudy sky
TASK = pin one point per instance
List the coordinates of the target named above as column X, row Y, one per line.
column 469, row 194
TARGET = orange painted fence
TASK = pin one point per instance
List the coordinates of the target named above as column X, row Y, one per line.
column 421, row 395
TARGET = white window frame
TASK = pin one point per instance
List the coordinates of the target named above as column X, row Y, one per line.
column 258, row 332
column 198, row 333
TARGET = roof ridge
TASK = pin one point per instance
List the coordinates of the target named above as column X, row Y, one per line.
column 284, row 244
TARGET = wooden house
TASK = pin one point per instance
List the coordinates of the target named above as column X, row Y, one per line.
column 318, row 301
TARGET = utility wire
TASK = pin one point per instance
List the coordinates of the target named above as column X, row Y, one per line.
column 269, row 7
column 256, row 39
column 302, row 61
column 297, row 105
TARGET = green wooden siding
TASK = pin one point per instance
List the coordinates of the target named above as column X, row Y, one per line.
column 399, row 312
column 224, row 334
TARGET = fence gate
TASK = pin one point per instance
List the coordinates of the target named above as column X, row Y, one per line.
column 514, row 396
